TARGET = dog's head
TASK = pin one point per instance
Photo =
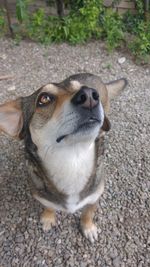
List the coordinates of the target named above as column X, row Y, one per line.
column 58, row 114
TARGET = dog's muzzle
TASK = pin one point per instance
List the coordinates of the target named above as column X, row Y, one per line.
column 87, row 98
column 86, row 104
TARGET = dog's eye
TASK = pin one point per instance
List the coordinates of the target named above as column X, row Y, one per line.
column 45, row 99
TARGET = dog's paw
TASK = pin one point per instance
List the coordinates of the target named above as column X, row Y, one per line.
column 48, row 220
column 90, row 232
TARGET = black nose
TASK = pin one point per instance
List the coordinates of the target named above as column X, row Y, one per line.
column 86, row 97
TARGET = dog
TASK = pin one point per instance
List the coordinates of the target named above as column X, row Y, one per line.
column 63, row 126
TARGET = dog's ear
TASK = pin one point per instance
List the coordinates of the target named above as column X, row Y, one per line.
column 106, row 124
column 114, row 88
column 11, row 118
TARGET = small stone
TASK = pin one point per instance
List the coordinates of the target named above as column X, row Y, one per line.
column 116, row 262
column 26, row 235
column 19, row 239
column 121, row 60
column 12, row 88
column 85, row 256
column 114, row 253
column 4, row 56
column 2, row 232
column 83, row 264
column 121, row 219
column 140, row 264
column 131, row 70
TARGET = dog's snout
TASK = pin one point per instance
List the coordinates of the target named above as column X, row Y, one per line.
column 86, row 97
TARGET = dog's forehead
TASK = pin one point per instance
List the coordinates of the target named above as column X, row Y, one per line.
column 51, row 88
column 61, row 88
column 75, row 85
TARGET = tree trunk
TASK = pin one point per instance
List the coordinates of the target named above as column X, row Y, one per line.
column 60, row 7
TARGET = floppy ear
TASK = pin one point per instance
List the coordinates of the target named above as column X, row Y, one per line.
column 106, row 124
column 11, row 118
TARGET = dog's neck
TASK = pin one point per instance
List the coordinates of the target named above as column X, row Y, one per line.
column 69, row 167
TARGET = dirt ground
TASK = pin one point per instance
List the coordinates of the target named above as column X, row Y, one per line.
column 123, row 213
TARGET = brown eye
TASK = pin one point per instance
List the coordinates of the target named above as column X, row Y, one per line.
column 44, row 99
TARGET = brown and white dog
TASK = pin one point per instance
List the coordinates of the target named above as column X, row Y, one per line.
column 63, row 125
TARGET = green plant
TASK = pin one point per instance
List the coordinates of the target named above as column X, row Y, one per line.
column 87, row 19
column 140, row 7
column 140, row 30
column 2, row 22
column 82, row 25
column 107, row 66
column 75, row 5
column 112, row 29
column 90, row 16
column 75, row 28
column 35, row 24
column 131, row 22
column 140, row 46
column 22, row 9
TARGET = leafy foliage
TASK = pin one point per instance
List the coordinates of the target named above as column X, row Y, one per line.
column 140, row 46
column 140, row 32
column 21, row 9
column 112, row 29
column 75, row 28
column 87, row 19
column 2, row 22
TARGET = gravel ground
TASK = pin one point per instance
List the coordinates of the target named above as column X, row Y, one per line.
column 123, row 211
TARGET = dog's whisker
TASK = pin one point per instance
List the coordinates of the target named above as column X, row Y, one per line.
column 47, row 151
column 65, row 123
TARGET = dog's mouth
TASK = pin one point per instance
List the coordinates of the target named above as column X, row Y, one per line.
column 86, row 125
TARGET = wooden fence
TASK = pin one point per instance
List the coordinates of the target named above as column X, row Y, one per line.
column 122, row 6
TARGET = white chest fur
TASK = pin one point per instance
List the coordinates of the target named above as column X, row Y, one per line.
column 70, row 170
column 70, row 167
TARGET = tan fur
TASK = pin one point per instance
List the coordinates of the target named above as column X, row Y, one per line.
column 88, row 227
column 43, row 115
column 61, row 99
column 11, row 111
column 75, row 86
column 104, row 97
column 114, row 88
column 48, row 219
column 50, row 88
column 87, row 216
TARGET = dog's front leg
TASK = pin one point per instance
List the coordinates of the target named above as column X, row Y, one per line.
column 48, row 219
column 88, row 227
